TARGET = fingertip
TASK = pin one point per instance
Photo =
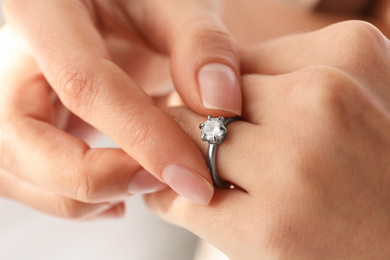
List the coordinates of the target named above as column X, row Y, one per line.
column 211, row 56
column 188, row 184
column 220, row 88
column 144, row 182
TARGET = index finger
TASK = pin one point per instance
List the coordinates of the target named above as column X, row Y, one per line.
column 75, row 60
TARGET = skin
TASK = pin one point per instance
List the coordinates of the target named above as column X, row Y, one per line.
column 312, row 152
column 84, row 187
column 266, row 20
column 105, row 81
column 29, row 174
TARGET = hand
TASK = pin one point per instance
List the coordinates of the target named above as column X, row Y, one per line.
column 79, row 46
column 45, row 167
column 312, row 153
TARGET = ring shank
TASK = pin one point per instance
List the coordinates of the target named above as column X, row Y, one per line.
column 212, row 166
column 212, row 160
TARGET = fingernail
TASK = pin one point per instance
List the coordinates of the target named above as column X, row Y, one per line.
column 188, row 184
column 144, row 182
column 219, row 88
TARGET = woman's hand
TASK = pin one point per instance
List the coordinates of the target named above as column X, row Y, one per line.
column 45, row 167
column 86, row 51
column 312, row 152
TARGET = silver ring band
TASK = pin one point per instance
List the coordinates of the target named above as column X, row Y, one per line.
column 214, row 132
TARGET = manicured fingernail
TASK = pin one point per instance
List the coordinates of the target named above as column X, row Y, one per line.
column 144, row 182
column 188, row 184
column 219, row 88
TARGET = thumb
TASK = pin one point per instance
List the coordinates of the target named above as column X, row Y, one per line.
column 205, row 68
column 204, row 56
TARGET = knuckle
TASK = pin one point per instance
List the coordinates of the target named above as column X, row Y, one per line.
column 214, row 36
column 70, row 209
column 323, row 101
column 361, row 30
column 89, row 186
column 84, row 187
column 360, row 41
column 206, row 36
column 325, row 86
column 77, row 87
column 81, row 181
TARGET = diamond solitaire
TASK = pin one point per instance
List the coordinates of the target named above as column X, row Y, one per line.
column 213, row 130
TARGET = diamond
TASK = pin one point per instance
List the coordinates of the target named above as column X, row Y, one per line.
column 213, row 130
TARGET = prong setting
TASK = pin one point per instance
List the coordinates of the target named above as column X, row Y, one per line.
column 213, row 130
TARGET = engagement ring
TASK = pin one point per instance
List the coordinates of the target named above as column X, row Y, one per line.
column 214, row 132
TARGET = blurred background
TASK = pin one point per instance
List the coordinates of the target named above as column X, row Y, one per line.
column 140, row 235
column 1, row 13
column 27, row 234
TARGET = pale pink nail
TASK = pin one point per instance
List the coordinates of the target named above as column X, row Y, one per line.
column 188, row 184
column 219, row 88
column 144, row 182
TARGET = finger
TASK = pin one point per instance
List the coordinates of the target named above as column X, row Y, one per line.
column 355, row 47
column 352, row 46
column 99, row 92
column 231, row 151
column 50, row 158
column 206, row 222
column 270, row 103
column 12, row 187
column 64, row 164
column 205, row 61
